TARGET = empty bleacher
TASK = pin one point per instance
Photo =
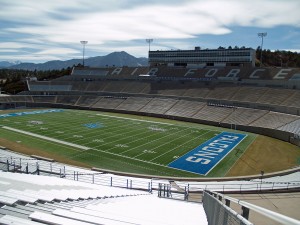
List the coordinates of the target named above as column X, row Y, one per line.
column 213, row 113
column 96, row 86
column 44, row 99
column 293, row 127
column 79, row 85
column 20, row 98
column 185, row 108
column 158, row 105
column 275, row 96
column 67, row 99
column 87, row 100
column 244, row 116
column 248, row 94
column 108, row 102
column 137, row 87
column 196, row 92
column 133, row 103
column 293, row 100
column 223, row 93
column 115, row 86
column 32, row 199
column 274, row 120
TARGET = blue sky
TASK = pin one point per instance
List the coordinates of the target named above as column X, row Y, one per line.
column 43, row 30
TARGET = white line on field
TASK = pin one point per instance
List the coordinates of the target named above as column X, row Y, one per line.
column 47, row 138
column 80, row 146
column 136, row 120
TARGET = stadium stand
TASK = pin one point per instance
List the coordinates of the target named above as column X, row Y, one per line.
column 44, row 99
column 244, row 116
column 274, row 120
column 275, row 96
column 248, row 94
column 196, row 92
column 67, row 99
column 108, row 102
column 158, row 105
column 185, row 108
column 25, row 199
column 136, row 87
column 293, row 100
column 213, row 113
column 222, row 93
column 133, row 103
column 293, row 127
column 96, row 86
column 87, row 101
column 79, row 86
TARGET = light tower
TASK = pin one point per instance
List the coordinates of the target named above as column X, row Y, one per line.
column 261, row 35
column 149, row 41
column 83, row 49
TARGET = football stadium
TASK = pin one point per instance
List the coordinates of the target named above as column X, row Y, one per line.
column 205, row 130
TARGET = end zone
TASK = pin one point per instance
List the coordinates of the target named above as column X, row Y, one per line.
column 204, row 158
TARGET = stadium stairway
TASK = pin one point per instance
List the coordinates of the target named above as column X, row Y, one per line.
column 31, row 199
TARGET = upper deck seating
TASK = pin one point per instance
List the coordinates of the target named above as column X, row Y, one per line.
column 248, row 94
column 275, row 96
column 222, row 93
column 293, row 100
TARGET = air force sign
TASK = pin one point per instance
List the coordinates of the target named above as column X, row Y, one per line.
column 205, row 157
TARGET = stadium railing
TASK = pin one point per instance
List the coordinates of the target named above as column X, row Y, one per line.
column 216, row 210
column 187, row 191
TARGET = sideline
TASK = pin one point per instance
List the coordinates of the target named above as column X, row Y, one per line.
column 46, row 138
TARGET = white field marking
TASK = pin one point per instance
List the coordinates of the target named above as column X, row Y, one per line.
column 180, row 146
column 241, row 155
column 165, row 143
column 170, row 134
column 140, row 160
column 146, row 121
column 47, row 138
column 86, row 148
column 225, row 155
column 169, row 124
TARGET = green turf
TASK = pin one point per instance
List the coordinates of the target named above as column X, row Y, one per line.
column 126, row 143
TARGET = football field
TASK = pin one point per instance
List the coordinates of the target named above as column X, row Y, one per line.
column 127, row 143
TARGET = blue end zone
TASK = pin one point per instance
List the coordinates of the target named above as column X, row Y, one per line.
column 205, row 157
column 30, row 113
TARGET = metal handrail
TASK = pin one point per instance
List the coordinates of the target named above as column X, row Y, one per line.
column 266, row 212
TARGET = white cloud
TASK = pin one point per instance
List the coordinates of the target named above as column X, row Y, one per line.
column 47, row 25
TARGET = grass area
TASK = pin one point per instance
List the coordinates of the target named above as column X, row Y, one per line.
column 119, row 142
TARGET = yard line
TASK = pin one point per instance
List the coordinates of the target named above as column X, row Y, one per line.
column 80, row 146
column 155, row 140
column 169, row 143
column 46, row 138
column 146, row 121
column 179, row 146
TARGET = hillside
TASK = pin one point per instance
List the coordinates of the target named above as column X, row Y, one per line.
column 117, row 59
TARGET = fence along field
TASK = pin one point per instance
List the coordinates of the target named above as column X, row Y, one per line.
column 125, row 143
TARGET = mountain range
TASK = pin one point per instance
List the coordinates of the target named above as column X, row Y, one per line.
column 117, row 59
